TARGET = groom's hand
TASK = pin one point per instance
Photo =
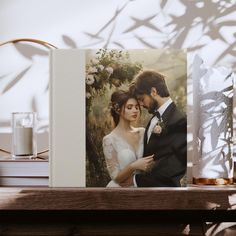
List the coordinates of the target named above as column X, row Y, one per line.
column 127, row 183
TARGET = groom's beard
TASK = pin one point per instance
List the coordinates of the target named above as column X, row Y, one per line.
column 153, row 106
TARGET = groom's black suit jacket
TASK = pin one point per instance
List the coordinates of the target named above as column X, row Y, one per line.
column 169, row 149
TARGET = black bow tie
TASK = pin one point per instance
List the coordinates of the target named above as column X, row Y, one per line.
column 157, row 114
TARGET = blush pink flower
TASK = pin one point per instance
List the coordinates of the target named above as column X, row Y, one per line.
column 157, row 129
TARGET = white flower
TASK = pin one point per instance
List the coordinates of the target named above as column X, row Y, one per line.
column 109, row 70
column 90, row 79
column 88, row 95
column 95, row 61
column 101, row 67
column 92, row 69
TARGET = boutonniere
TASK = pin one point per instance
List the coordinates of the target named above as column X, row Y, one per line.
column 159, row 128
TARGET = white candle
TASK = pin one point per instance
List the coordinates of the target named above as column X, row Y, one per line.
column 23, row 140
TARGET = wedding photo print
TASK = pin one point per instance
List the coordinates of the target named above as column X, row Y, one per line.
column 136, row 122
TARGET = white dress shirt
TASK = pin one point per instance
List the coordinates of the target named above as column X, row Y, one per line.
column 154, row 120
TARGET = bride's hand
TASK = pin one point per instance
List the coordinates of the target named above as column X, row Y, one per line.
column 142, row 163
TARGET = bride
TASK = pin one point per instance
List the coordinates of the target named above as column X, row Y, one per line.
column 123, row 147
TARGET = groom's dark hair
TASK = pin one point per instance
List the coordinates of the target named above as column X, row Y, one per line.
column 149, row 79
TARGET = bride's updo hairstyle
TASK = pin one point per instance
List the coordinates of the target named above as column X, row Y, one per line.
column 118, row 99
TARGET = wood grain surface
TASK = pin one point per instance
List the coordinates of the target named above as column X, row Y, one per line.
column 191, row 198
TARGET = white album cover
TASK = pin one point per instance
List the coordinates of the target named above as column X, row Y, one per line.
column 67, row 118
column 103, row 132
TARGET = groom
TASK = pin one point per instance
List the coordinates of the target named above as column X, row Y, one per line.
column 165, row 135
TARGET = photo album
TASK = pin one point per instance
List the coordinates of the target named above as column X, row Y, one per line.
column 118, row 118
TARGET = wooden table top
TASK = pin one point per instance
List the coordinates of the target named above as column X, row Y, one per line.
column 190, row 198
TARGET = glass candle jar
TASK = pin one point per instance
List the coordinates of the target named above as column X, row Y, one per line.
column 24, row 143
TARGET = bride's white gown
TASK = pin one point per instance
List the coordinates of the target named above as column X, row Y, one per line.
column 118, row 153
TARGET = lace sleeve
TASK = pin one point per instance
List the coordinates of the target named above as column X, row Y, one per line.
column 110, row 158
